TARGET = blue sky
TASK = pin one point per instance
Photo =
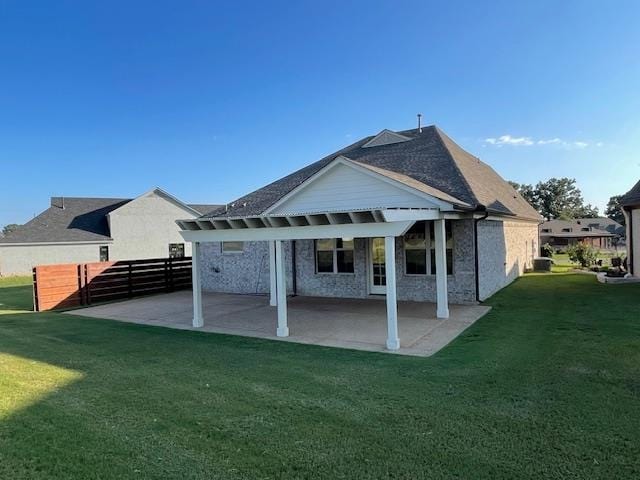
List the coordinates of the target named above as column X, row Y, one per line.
column 212, row 100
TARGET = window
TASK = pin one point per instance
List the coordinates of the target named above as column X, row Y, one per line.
column 232, row 247
column 546, row 230
column 176, row 250
column 334, row 255
column 418, row 241
column 585, row 229
column 567, row 230
column 104, row 253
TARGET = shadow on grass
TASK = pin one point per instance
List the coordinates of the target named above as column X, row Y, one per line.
column 18, row 298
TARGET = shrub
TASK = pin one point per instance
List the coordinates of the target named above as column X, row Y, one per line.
column 582, row 253
column 546, row 250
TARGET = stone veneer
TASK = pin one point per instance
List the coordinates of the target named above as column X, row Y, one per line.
column 248, row 272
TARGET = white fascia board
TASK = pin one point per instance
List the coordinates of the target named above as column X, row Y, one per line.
column 424, row 214
column 355, row 230
column 342, row 160
column 44, row 244
column 411, row 214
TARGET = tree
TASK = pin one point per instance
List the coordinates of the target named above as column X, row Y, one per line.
column 614, row 210
column 528, row 192
column 561, row 198
column 557, row 198
column 11, row 227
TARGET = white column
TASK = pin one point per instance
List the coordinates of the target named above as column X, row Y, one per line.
column 273, row 299
column 196, row 280
column 441, row 269
column 393, row 342
column 281, row 288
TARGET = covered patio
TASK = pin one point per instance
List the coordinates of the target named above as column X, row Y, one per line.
column 345, row 323
column 344, row 200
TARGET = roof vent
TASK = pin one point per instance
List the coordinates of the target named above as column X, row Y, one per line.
column 419, row 123
column 385, row 137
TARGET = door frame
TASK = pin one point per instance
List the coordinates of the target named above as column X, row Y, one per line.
column 373, row 289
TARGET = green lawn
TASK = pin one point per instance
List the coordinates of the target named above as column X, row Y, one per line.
column 547, row 385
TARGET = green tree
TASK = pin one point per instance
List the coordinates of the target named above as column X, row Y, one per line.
column 528, row 192
column 614, row 210
column 11, row 227
column 561, row 198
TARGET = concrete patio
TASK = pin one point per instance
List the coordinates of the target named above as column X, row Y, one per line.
column 334, row 322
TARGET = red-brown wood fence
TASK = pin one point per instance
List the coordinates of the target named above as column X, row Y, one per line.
column 77, row 284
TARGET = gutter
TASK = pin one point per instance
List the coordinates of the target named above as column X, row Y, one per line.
column 483, row 209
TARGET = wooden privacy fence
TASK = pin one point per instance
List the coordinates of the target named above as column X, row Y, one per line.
column 77, row 284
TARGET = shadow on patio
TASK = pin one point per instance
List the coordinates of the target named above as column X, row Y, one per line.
column 336, row 322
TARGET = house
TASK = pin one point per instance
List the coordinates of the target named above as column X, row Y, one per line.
column 74, row 230
column 630, row 203
column 404, row 215
column 601, row 233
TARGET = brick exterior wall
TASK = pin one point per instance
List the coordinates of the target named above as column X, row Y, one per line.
column 248, row 272
column 506, row 249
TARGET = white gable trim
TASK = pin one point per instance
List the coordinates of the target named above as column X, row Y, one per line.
column 386, row 137
column 342, row 160
column 167, row 196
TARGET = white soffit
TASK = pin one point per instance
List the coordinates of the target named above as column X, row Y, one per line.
column 385, row 137
column 345, row 186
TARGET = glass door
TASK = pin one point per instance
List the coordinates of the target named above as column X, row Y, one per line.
column 377, row 275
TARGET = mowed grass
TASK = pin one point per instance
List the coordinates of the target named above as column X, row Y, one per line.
column 16, row 295
column 547, row 385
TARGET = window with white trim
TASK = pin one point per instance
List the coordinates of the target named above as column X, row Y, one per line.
column 420, row 249
column 334, row 255
column 232, row 247
column 176, row 250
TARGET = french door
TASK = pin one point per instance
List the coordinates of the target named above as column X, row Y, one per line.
column 377, row 266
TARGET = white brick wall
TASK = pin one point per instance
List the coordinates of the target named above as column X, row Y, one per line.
column 506, row 249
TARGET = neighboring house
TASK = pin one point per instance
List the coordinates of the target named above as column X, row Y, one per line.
column 408, row 214
column 75, row 230
column 630, row 203
column 602, row 233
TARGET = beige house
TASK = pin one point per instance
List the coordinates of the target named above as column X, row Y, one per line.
column 630, row 203
column 76, row 230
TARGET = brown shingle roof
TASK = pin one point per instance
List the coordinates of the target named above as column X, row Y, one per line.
column 632, row 197
column 430, row 158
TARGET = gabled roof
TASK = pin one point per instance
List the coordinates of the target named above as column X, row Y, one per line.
column 79, row 219
column 600, row 226
column 632, row 197
column 429, row 158
column 68, row 220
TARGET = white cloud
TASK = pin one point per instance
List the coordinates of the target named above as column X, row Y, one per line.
column 549, row 142
column 509, row 140
column 529, row 141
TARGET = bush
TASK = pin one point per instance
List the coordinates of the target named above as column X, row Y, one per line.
column 546, row 250
column 582, row 253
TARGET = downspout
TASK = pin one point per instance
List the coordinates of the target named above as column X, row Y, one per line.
column 630, row 240
column 479, row 208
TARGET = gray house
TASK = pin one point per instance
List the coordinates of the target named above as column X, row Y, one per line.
column 76, row 230
column 408, row 215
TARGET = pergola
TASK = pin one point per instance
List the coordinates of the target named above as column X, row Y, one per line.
column 275, row 229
